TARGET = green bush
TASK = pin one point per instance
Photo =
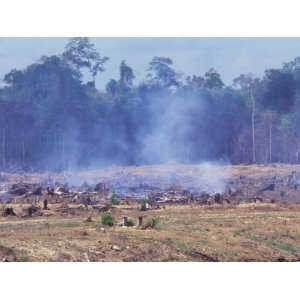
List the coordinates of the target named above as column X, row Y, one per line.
column 283, row 193
column 107, row 219
column 114, row 200
column 130, row 223
column 154, row 223
column 24, row 259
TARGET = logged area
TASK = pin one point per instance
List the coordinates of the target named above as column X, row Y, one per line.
column 170, row 212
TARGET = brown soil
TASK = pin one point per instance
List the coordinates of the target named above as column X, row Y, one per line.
column 246, row 232
column 191, row 232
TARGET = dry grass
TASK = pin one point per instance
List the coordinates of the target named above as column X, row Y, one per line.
column 257, row 232
column 247, row 232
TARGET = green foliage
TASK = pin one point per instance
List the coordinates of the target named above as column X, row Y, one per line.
column 283, row 193
column 126, row 75
column 277, row 245
column 154, row 223
column 52, row 119
column 130, row 223
column 114, row 200
column 280, row 89
column 82, row 54
column 107, row 219
column 213, row 79
column 161, row 73
column 24, row 259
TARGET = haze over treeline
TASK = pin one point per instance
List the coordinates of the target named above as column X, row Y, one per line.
column 50, row 118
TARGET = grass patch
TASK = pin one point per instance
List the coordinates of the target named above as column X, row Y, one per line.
column 181, row 246
column 24, row 259
column 154, row 223
column 240, row 232
column 277, row 245
column 203, row 242
column 69, row 224
column 178, row 244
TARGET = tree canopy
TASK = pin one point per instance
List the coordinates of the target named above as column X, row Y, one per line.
column 53, row 118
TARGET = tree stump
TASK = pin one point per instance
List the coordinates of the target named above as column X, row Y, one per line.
column 9, row 211
column 45, row 203
column 140, row 221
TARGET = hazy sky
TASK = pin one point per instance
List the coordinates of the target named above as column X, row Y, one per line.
column 230, row 56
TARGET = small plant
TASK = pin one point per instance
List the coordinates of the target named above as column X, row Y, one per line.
column 107, row 219
column 114, row 200
column 130, row 223
column 24, row 259
column 283, row 193
column 153, row 223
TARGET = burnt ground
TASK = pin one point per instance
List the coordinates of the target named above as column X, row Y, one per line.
column 238, row 230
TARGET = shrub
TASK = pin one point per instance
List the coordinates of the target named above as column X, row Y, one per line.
column 24, row 259
column 107, row 219
column 130, row 223
column 114, row 200
column 153, row 223
column 283, row 193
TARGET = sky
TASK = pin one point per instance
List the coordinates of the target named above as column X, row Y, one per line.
column 229, row 56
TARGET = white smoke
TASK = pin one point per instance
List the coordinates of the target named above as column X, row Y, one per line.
column 212, row 177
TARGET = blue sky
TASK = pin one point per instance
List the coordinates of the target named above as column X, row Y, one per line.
column 230, row 56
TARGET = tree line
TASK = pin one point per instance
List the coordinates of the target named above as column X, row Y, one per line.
column 51, row 119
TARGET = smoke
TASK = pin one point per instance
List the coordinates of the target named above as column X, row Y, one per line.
column 170, row 136
column 168, row 147
column 208, row 177
column 212, row 177
column 154, row 129
column 65, row 149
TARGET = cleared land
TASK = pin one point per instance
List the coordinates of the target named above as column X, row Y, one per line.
column 191, row 232
column 256, row 232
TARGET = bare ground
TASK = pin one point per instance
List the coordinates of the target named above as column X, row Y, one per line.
column 227, row 232
column 256, row 232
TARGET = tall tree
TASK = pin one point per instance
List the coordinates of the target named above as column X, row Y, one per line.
column 248, row 85
column 195, row 82
column 213, row 79
column 126, row 75
column 278, row 98
column 280, row 89
column 161, row 72
column 81, row 53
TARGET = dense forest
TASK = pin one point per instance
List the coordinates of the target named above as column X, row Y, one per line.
column 51, row 118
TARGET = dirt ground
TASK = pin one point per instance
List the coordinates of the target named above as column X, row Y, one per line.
column 242, row 231
column 256, row 232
